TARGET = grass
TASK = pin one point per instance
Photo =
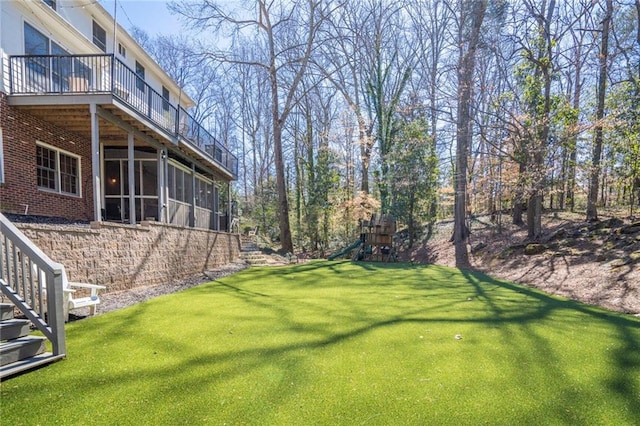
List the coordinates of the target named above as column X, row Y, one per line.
column 341, row 343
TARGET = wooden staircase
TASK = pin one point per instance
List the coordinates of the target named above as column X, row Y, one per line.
column 31, row 284
column 18, row 350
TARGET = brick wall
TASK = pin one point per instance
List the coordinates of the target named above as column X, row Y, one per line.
column 20, row 131
column 123, row 256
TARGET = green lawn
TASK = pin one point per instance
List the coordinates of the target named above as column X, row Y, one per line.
column 340, row 343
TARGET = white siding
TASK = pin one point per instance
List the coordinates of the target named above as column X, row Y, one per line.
column 71, row 26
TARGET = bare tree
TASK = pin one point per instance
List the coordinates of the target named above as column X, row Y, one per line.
column 341, row 62
column 280, row 25
column 470, row 22
column 388, row 66
column 433, row 40
column 176, row 55
column 592, row 200
column 577, row 53
column 250, row 88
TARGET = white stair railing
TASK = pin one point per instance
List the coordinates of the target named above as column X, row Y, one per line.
column 22, row 265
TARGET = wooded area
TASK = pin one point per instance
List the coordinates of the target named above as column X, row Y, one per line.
column 417, row 109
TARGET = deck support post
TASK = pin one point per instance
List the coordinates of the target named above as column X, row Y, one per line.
column 229, row 209
column 132, row 178
column 216, row 207
column 192, row 201
column 96, row 178
column 162, row 186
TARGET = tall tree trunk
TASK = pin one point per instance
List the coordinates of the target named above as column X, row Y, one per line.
column 411, row 225
column 281, row 184
column 466, row 66
column 300, row 176
column 518, row 201
column 592, row 212
column 545, row 68
column 534, row 216
column 573, row 143
column 562, row 185
column 571, row 176
column 365, row 155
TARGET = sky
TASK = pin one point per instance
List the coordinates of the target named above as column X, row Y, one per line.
column 150, row 15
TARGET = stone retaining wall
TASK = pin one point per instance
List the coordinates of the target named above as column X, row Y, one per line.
column 125, row 256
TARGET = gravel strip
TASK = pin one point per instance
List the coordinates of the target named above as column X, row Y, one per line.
column 122, row 299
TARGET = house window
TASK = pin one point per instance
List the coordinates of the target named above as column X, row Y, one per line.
column 165, row 97
column 140, row 74
column 47, row 74
column 51, row 3
column 1, row 158
column 58, row 171
column 122, row 50
column 99, row 37
column 35, row 43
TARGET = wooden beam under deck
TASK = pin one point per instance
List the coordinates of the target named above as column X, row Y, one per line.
column 116, row 120
column 72, row 112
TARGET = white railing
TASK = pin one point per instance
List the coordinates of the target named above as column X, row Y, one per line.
column 33, row 283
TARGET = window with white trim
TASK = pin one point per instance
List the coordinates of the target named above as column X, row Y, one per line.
column 99, row 37
column 51, row 3
column 140, row 76
column 57, row 170
column 165, row 99
column 44, row 74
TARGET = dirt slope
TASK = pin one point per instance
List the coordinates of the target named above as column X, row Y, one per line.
column 597, row 263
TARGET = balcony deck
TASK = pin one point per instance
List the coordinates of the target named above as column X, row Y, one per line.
column 60, row 89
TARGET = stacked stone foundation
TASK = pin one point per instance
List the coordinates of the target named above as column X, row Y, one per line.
column 123, row 257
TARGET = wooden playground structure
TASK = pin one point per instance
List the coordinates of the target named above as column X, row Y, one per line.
column 376, row 237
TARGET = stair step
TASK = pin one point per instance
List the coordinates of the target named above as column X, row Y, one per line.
column 6, row 311
column 13, row 328
column 254, row 261
column 20, row 349
column 254, row 256
column 28, row 364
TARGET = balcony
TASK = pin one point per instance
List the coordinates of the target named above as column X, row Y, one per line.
column 106, row 75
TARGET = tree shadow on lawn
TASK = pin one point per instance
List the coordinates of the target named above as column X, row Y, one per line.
column 413, row 294
column 626, row 358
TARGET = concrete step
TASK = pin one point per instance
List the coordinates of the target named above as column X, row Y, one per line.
column 257, row 262
column 6, row 311
column 252, row 254
column 20, row 349
column 256, row 259
column 13, row 328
